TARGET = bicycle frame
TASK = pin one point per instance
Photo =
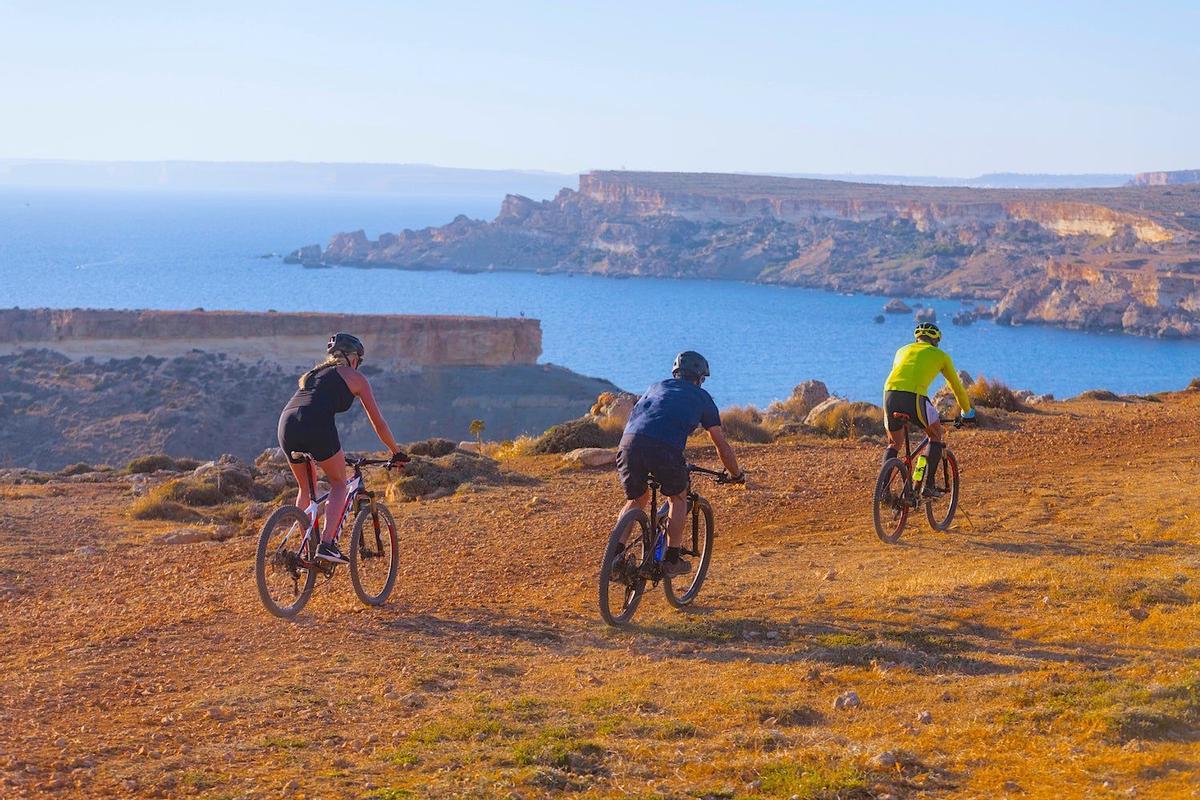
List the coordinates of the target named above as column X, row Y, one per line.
column 657, row 514
column 355, row 489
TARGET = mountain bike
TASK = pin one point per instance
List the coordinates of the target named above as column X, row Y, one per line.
column 638, row 544
column 902, row 481
column 286, row 566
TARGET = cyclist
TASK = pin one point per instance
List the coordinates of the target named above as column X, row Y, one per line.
column 906, row 391
column 306, row 426
column 654, row 441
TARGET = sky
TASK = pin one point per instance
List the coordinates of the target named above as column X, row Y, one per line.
column 929, row 88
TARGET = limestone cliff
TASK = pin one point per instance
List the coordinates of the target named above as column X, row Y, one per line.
column 286, row 339
column 103, row 386
column 885, row 239
column 1166, row 178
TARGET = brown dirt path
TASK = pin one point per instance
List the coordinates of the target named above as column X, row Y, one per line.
column 1052, row 637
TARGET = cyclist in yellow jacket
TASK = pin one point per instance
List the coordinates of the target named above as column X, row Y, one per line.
column 906, row 391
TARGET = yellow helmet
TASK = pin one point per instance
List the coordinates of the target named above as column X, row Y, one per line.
column 928, row 329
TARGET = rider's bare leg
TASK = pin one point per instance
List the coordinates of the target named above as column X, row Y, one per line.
column 676, row 519
column 335, row 470
column 641, row 502
column 937, row 435
column 893, row 449
column 301, row 472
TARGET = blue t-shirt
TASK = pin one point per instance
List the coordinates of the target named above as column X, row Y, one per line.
column 670, row 410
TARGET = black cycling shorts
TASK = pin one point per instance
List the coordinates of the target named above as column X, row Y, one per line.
column 305, row 434
column 921, row 412
column 639, row 457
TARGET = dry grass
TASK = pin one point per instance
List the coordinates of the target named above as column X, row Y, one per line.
column 745, row 424
column 510, row 449
column 850, row 420
column 991, row 393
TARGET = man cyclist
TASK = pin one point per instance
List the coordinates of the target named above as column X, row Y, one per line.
column 654, row 441
column 906, row 391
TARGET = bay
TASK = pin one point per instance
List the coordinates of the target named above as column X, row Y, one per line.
column 180, row 251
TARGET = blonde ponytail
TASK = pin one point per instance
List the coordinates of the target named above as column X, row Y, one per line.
column 336, row 359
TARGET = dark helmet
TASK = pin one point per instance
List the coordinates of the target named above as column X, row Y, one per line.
column 690, row 364
column 929, row 330
column 345, row 343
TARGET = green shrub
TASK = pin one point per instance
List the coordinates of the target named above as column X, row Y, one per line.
column 745, row 424
column 987, row 393
column 1100, row 394
column 572, row 435
column 80, row 468
column 433, row 448
column 850, row 420
column 144, row 464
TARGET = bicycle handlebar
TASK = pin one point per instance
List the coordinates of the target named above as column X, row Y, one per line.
column 399, row 459
column 720, row 477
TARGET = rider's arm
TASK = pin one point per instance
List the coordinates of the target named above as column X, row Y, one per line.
column 362, row 388
column 724, row 450
column 956, row 385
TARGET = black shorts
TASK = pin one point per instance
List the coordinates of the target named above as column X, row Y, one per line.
column 305, row 433
column 921, row 412
column 639, row 457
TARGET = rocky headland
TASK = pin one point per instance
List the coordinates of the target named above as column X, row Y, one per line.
column 1063, row 256
column 104, row 386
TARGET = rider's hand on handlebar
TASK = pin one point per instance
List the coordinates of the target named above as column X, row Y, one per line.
column 727, row 478
column 398, row 459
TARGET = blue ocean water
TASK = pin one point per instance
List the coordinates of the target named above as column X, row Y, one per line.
column 176, row 251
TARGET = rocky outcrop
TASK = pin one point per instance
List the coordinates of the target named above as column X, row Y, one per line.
column 55, row 410
column 1151, row 297
column 1166, row 178
column 397, row 342
column 891, row 240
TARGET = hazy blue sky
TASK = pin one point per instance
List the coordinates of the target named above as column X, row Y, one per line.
column 917, row 88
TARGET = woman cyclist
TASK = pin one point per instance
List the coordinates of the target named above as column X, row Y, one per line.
column 306, row 426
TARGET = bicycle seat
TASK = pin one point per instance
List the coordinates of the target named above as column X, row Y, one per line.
column 299, row 456
column 900, row 415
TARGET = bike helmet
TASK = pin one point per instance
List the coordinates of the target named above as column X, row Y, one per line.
column 690, row 364
column 345, row 343
column 929, row 330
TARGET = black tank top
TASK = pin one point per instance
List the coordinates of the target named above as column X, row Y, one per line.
column 327, row 392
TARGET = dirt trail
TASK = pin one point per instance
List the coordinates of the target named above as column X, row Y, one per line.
column 1051, row 637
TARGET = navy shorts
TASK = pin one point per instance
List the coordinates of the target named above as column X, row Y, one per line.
column 300, row 433
column 640, row 457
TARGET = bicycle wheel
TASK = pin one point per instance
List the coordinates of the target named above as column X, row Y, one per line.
column 621, row 581
column 283, row 565
column 374, row 554
column 697, row 547
column 940, row 512
column 890, row 507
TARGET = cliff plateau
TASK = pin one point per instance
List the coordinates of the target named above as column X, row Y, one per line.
column 882, row 239
column 104, row 386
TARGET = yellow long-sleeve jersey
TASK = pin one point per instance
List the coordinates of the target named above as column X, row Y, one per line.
column 915, row 367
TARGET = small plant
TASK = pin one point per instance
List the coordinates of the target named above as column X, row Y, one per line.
column 1100, row 394
column 745, row 424
column 477, row 426
column 849, row 420
column 572, row 435
column 153, row 463
column 987, row 393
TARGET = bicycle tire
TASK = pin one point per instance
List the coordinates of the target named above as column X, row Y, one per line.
column 948, row 471
column 285, row 561
column 888, row 508
column 383, row 537
column 702, row 536
column 638, row 524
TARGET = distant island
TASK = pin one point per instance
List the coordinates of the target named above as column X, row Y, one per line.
column 1118, row 258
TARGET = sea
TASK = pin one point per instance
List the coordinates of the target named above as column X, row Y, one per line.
column 138, row 249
